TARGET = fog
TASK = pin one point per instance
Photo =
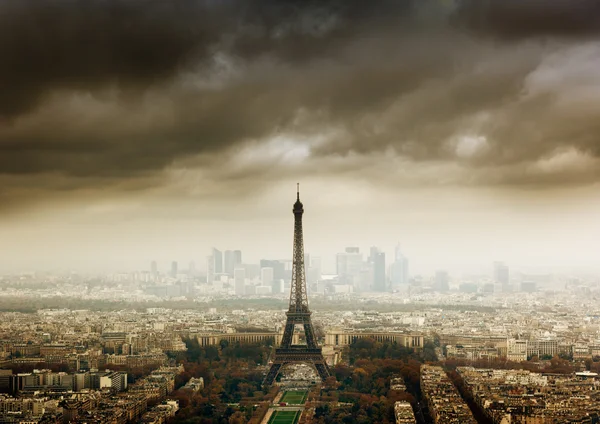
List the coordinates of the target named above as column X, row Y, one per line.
column 133, row 131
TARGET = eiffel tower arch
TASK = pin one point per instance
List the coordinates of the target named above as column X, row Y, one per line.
column 298, row 314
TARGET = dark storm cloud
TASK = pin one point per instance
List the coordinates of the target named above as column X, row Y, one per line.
column 524, row 18
column 56, row 52
column 103, row 91
column 75, row 44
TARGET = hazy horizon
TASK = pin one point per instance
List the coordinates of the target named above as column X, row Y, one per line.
column 467, row 131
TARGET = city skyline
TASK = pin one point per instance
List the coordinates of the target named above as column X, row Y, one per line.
column 164, row 265
column 465, row 129
column 285, row 212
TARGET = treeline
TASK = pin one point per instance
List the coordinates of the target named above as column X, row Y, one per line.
column 593, row 365
column 31, row 304
column 364, row 384
column 556, row 365
column 375, row 306
column 252, row 353
column 42, row 365
column 232, row 375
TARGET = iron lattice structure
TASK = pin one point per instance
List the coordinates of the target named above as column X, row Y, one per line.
column 298, row 314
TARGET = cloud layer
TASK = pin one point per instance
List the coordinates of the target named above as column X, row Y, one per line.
column 119, row 94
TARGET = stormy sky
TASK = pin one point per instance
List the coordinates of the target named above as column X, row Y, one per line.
column 132, row 130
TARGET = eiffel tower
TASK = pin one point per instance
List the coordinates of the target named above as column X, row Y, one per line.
column 298, row 313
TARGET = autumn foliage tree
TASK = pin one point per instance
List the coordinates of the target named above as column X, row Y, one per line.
column 364, row 383
column 232, row 373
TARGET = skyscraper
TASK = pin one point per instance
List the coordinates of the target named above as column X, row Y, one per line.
column 278, row 267
column 377, row 261
column 266, row 276
column 399, row 269
column 349, row 265
column 210, row 269
column 237, row 258
column 315, row 263
column 313, row 270
column 233, row 260
column 214, row 265
column 442, row 281
column 218, row 261
column 239, row 281
column 228, row 265
column 174, row 269
column 502, row 276
column 154, row 268
column 252, row 270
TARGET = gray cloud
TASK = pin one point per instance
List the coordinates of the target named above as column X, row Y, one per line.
column 100, row 93
column 514, row 19
column 134, row 44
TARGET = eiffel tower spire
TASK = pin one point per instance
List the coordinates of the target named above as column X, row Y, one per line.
column 298, row 313
column 298, row 297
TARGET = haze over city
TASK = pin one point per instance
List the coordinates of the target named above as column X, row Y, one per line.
column 299, row 211
column 132, row 131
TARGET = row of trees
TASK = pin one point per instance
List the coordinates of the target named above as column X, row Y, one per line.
column 253, row 353
column 232, row 374
column 556, row 365
column 363, row 393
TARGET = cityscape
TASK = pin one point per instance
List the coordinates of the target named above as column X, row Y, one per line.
column 299, row 212
column 123, row 353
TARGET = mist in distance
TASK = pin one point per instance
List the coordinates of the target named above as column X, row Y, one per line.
column 467, row 131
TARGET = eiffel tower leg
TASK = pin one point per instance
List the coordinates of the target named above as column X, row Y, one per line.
column 311, row 340
column 272, row 374
column 288, row 334
column 323, row 371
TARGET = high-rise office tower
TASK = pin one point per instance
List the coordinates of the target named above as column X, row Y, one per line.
column 228, row 265
column 315, row 263
column 377, row 261
column 399, row 269
column 278, row 267
column 233, row 260
column 214, row 265
column 237, row 258
column 218, row 261
column 239, row 281
column 192, row 269
column 349, row 265
column 313, row 270
column 174, row 269
column 364, row 281
column 442, row 281
column 154, row 268
column 210, row 269
column 266, row 276
column 502, row 276
column 252, row 270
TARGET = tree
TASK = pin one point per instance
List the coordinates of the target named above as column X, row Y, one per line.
column 237, row 418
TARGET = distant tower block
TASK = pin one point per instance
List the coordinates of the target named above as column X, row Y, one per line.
column 298, row 313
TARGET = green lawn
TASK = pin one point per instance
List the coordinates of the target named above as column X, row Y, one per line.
column 284, row 417
column 294, row 397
